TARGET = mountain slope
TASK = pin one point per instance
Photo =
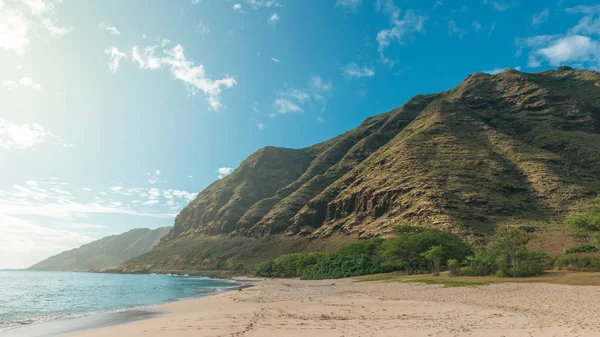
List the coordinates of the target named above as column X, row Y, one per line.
column 107, row 252
column 496, row 148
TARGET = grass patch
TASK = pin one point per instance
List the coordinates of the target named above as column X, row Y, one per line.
column 551, row 277
column 448, row 283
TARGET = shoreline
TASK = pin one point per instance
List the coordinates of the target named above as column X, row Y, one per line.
column 295, row 308
column 95, row 320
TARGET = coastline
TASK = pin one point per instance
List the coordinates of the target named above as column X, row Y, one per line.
column 290, row 307
column 96, row 320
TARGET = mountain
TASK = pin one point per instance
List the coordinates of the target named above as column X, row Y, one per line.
column 107, row 252
column 510, row 147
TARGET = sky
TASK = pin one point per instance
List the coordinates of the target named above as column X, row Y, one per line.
column 115, row 114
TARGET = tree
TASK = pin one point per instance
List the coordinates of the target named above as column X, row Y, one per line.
column 587, row 225
column 509, row 244
column 435, row 254
column 405, row 250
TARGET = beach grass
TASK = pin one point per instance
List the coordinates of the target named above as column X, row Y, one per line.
column 447, row 283
column 551, row 277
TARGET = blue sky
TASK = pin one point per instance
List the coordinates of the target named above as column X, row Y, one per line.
column 116, row 113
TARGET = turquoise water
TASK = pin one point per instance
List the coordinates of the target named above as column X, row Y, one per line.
column 34, row 296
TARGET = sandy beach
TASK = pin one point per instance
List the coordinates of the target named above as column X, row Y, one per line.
column 346, row 308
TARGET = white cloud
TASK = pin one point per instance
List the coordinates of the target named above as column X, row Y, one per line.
column 274, row 60
column 590, row 23
column 14, row 30
column 23, row 243
column 45, row 10
column 145, row 58
column 320, row 120
column 318, row 83
column 559, row 50
column 274, row 18
column 569, row 49
column 17, row 22
column 14, row 136
column 260, row 126
column 23, row 83
column 501, row 5
column 202, row 29
column 79, row 225
column 224, row 171
column 540, row 17
column 54, row 30
column 353, row 70
column 453, row 30
column 255, row 4
column 298, row 95
column 184, row 69
column 476, row 25
column 294, row 100
column 190, row 177
column 238, row 7
column 110, row 29
column 187, row 196
column 155, row 178
column 52, row 199
column 153, row 193
column 115, row 57
column 348, row 4
column 498, row 70
column 40, row 7
column 284, row 106
column 401, row 28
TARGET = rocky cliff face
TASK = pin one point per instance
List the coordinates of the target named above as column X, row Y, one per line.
column 110, row 251
column 511, row 146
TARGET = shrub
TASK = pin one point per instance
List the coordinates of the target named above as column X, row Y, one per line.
column 288, row 265
column 343, row 265
column 481, row 264
column 582, row 249
column 586, row 225
column 579, row 262
column 527, row 264
column 293, row 265
column 264, row 269
column 435, row 254
column 368, row 247
column 507, row 256
column 406, row 251
column 454, row 267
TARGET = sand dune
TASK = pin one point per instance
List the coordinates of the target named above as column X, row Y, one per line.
column 275, row 308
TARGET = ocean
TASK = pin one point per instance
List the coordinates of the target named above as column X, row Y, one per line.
column 29, row 297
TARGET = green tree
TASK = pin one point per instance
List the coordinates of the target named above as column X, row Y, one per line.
column 509, row 243
column 508, row 250
column 435, row 254
column 587, row 225
column 405, row 250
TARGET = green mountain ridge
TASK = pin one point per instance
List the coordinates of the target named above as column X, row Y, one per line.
column 107, row 252
column 496, row 148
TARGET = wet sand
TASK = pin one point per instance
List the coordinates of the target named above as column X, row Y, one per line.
column 275, row 308
column 62, row 327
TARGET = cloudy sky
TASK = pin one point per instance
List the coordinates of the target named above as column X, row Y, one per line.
column 115, row 114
